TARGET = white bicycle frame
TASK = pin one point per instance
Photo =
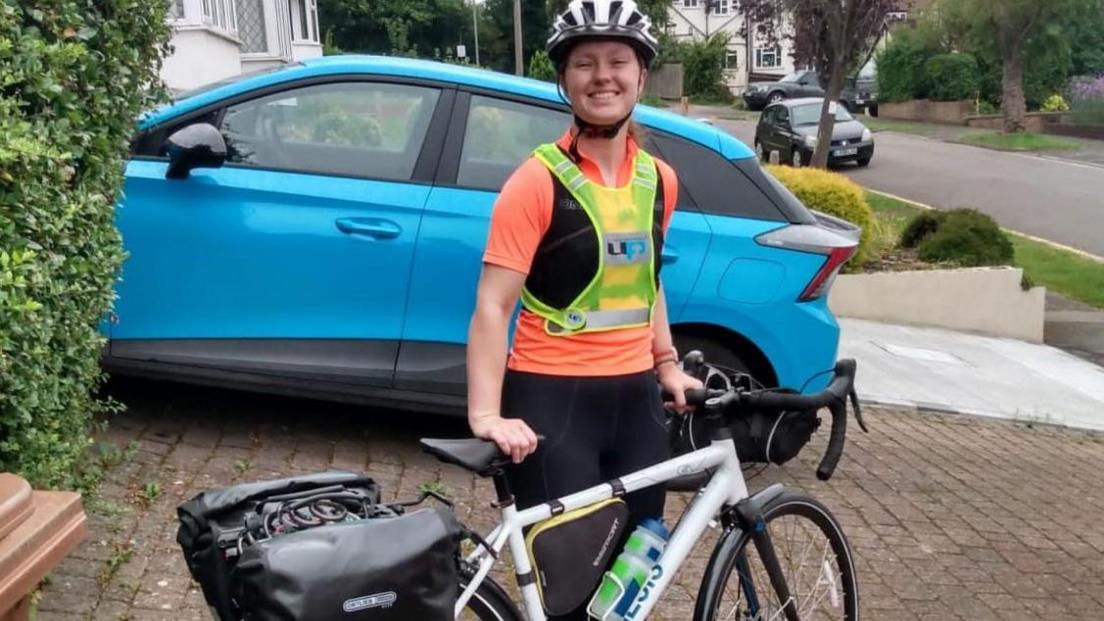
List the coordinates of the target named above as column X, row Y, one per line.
column 726, row 486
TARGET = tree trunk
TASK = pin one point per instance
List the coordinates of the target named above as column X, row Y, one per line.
column 1013, row 104
column 827, row 116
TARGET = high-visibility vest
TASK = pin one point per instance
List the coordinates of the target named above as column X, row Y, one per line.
column 622, row 291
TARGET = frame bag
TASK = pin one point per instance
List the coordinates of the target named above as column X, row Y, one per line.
column 559, row 546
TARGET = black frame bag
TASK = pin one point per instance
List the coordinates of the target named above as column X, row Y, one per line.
column 386, row 569
column 213, row 522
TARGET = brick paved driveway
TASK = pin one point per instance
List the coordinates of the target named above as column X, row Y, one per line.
column 950, row 518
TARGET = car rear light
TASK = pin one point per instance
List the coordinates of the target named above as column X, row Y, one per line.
column 836, row 239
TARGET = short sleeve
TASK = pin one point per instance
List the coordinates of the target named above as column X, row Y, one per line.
column 522, row 214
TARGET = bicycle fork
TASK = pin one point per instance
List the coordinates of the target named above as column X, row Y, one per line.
column 748, row 515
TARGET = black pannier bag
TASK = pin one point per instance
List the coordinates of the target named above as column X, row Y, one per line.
column 761, row 437
column 571, row 551
column 213, row 526
column 388, row 569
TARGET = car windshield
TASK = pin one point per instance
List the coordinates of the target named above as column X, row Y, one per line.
column 793, row 77
column 809, row 114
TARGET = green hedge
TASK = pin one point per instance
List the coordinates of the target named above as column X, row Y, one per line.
column 74, row 75
column 834, row 194
column 952, row 77
column 902, row 65
column 961, row 236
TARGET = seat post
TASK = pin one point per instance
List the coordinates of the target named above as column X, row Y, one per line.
column 502, row 490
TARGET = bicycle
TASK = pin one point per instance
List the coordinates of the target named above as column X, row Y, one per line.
column 761, row 520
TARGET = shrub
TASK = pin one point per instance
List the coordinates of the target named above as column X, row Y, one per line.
column 541, row 68
column 901, row 68
column 75, row 76
column 834, row 194
column 1086, row 98
column 703, row 67
column 924, row 224
column 1055, row 103
column 965, row 237
column 951, row 77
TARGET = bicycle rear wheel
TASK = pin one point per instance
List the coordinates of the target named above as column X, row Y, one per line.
column 488, row 603
column 815, row 560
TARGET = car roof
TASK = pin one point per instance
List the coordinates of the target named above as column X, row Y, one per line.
column 790, row 103
column 349, row 64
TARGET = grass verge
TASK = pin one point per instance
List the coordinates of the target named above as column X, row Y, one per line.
column 1067, row 273
column 1018, row 142
column 904, row 127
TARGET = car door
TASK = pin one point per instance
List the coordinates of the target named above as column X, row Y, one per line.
column 810, row 85
column 293, row 258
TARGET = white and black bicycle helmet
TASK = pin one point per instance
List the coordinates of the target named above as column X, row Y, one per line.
column 607, row 19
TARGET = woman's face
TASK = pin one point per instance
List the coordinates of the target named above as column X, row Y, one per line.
column 603, row 80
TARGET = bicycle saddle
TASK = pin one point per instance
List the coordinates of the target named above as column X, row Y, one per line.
column 479, row 456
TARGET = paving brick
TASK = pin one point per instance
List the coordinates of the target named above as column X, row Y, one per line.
column 948, row 517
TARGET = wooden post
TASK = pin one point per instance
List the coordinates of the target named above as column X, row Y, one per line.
column 684, row 105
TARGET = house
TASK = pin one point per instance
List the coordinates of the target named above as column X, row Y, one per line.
column 218, row 39
column 751, row 56
column 700, row 19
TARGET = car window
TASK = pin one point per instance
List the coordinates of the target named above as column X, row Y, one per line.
column 357, row 129
column 810, row 114
column 792, row 77
column 714, row 184
column 782, row 116
column 500, row 135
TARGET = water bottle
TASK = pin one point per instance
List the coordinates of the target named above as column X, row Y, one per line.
column 630, row 572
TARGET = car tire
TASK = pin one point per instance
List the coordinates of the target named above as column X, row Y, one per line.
column 872, row 110
column 863, row 162
column 775, row 97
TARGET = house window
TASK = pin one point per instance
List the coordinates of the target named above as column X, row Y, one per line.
column 221, row 14
column 768, row 57
column 721, row 7
column 732, row 59
column 176, row 9
column 251, row 26
column 304, row 19
column 689, row 4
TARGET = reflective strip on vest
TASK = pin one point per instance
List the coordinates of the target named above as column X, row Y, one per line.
column 623, row 292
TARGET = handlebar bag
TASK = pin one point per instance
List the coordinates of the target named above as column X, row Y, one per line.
column 211, row 525
column 385, row 569
column 760, row 437
column 570, row 552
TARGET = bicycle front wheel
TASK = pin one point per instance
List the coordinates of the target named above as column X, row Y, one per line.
column 814, row 558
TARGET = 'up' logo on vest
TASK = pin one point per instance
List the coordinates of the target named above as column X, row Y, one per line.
column 627, row 248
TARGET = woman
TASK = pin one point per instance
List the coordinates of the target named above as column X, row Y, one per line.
column 576, row 235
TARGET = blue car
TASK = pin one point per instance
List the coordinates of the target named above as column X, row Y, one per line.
column 318, row 230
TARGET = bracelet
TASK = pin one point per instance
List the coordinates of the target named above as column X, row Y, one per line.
column 664, row 359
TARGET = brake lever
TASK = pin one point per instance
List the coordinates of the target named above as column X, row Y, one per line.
column 854, row 396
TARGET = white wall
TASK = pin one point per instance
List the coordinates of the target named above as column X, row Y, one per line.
column 200, row 56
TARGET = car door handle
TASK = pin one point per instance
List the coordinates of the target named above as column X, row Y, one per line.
column 369, row 227
column 668, row 256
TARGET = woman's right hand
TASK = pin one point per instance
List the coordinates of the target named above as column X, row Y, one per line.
column 512, row 435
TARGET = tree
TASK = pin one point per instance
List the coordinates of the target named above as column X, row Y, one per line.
column 535, row 27
column 1014, row 28
column 832, row 36
column 400, row 27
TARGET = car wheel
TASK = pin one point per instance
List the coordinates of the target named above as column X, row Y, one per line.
column 863, row 162
column 795, row 158
column 775, row 97
column 872, row 110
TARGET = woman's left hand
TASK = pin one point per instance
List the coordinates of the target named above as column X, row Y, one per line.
column 675, row 381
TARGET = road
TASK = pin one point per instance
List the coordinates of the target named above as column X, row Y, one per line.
column 1046, row 197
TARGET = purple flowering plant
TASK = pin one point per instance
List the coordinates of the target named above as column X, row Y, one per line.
column 1086, row 98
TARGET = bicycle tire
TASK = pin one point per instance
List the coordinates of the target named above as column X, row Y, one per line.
column 719, row 595
column 489, row 603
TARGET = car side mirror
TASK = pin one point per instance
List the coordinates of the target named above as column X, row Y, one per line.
column 196, row 146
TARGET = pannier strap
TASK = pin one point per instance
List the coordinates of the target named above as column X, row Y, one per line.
column 525, row 579
column 618, row 488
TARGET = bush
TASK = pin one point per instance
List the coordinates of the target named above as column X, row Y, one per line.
column 75, row 76
column 834, row 194
column 703, row 67
column 541, row 68
column 1055, row 103
column 1086, row 97
column 964, row 237
column 921, row 226
column 951, row 77
column 901, row 68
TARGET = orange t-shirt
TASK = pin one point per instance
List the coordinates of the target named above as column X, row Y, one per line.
column 522, row 214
